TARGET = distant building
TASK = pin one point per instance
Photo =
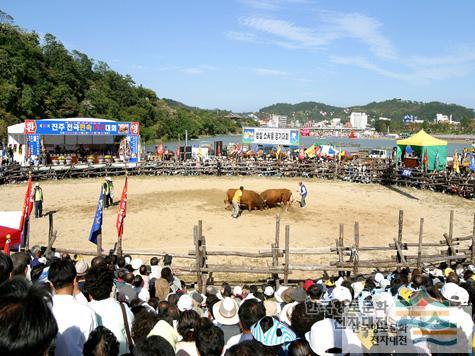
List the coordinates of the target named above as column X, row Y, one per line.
column 358, row 120
column 336, row 122
column 277, row 121
column 233, row 116
column 384, row 119
column 442, row 119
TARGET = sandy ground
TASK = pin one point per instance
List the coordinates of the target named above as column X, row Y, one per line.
column 162, row 211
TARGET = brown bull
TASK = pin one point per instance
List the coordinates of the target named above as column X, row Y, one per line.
column 250, row 199
column 273, row 197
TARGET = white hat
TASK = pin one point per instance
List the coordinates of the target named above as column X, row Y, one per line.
column 378, row 277
column 326, row 334
column 278, row 293
column 269, row 291
column 286, row 313
column 357, row 288
column 225, row 311
column 237, row 291
column 339, row 281
column 185, row 302
column 341, row 294
column 454, row 293
column 385, row 283
column 136, row 263
column 37, row 184
column 127, row 260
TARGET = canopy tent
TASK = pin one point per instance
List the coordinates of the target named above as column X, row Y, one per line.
column 10, row 225
column 424, row 145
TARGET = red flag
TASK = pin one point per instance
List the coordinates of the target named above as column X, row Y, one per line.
column 122, row 211
column 6, row 247
column 27, row 205
column 426, row 159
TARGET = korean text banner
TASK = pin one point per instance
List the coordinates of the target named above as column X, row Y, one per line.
column 52, row 127
column 270, row 136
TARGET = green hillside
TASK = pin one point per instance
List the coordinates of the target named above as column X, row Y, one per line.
column 40, row 78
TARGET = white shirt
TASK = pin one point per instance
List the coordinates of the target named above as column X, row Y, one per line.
column 75, row 322
column 109, row 314
column 156, row 271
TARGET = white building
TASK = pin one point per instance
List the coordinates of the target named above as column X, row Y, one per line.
column 381, row 118
column 336, row 122
column 441, row 118
column 277, row 121
column 358, row 120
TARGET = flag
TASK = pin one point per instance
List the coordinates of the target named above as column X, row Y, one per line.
column 27, row 204
column 122, row 211
column 96, row 228
column 436, row 161
column 426, row 160
column 310, row 152
column 6, row 247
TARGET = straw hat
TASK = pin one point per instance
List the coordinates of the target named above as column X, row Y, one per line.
column 226, row 312
column 286, row 313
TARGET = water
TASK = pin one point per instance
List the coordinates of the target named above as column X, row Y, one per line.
column 345, row 143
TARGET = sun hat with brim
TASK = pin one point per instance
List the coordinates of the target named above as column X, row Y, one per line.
column 357, row 288
column 269, row 291
column 298, row 294
column 237, row 291
column 405, row 293
column 454, row 293
column 278, row 293
column 81, row 268
column 327, row 334
column 448, row 271
column 341, row 294
column 272, row 308
column 329, row 283
column 165, row 330
column 185, row 303
column 198, row 298
column 286, row 313
column 136, row 263
column 270, row 337
column 225, row 312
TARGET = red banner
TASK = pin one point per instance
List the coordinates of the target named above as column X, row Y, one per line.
column 122, row 211
column 27, row 205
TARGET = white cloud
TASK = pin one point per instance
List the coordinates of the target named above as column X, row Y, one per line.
column 366, row 64
column 269, row 72
column 192, row 71
column 333, row 26
column 241, row 36
column 271, row 5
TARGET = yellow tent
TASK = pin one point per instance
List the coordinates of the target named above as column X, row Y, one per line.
column 421, row 139
column 426, row 146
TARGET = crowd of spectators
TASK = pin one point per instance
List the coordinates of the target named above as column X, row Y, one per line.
column 117, row 305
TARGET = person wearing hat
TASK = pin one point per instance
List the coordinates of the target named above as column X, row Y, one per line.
column 80, row 291
column 107, row 188
column 250, row 312
column 270, row 303
column 38, row 199
column 272, row 333
column 225, row 314
column 236, row 201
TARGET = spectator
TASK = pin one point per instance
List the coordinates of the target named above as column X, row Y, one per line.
column 188, row 326
column 21, row 264
column 127, row 293
column 115, row 316
column 75, row 321
column 250, row 312
column 144, row 274
column 143, row 324
column 162, row 285
column 155, row 267
column 247, row 348
column 101, row 342
column 210, row 341
column 273, row 334
column 140, row 290
column 153, row 346
column 6, row 267
column 27, row 324
column 225, row 313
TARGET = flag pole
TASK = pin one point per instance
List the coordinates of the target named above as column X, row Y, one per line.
column 119, row 235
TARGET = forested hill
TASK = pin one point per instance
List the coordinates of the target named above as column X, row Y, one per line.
column 394, row 109
column 40, row 78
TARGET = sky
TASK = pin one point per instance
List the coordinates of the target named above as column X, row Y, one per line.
column 242, row 55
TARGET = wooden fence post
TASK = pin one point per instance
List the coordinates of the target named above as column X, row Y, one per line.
column 451, row 226
column 203, row 262
column 340, row 243
column 286, row 266
column 196, row 240
column 275, row 248
column 419, row 249
column 400, row 226
column 355, row 253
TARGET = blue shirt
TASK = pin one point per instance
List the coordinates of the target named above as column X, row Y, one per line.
column 303, row 190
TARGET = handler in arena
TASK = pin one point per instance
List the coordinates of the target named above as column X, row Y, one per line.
column 236, row 201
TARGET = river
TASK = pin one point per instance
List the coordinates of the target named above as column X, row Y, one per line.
column 344, row 143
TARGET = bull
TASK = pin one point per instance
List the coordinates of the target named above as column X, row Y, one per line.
column 250, row 199
column 274, row 197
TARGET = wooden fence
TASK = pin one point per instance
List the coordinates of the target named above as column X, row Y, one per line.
column 362, row 170
column 343, row 259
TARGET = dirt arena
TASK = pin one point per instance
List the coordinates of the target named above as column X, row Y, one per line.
column 162, row 211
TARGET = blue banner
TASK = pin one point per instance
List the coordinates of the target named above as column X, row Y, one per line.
column 52, row 127
column 134, row 148
column 96, row 228
column 33, row 145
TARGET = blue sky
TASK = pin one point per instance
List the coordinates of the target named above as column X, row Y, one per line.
column 242, row 55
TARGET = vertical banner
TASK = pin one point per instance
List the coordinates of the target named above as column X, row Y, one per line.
column 134, row 148
column 34, row 148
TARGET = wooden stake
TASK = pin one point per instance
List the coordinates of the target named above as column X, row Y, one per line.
column 356, row 248
column 419, row 249
column 275, row 250
column 451, row 225
column 286, row 266
column 400, row 226
column 197, row 257
column 340, row 244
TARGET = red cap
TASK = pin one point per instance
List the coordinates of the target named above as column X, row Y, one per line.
column 308, row 283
